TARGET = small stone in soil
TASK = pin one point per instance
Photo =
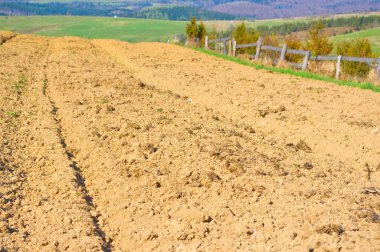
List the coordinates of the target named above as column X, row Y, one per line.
column 213, row 176
column 308, row 166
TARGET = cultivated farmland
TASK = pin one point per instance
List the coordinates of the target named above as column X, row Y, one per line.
column 107, row 145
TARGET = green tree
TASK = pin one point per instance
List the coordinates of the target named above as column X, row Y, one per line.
column 202, row 32
column 243, row 35
column 318, row 43
column 360, row 47
column 240, row 34
column 192, row 29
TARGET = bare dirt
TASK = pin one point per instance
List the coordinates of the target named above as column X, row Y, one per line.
column 5, row 36
column 110, row 146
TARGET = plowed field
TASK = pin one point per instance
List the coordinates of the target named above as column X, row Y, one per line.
column 111, row 146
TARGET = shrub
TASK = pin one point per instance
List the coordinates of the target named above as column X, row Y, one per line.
column 202, row 32
column 244, row 35
column 293, row 43
column 271, row 41
column 318, row 43
column 212, row 34
column 192, row 29
column 360, row 47
column 196, row 33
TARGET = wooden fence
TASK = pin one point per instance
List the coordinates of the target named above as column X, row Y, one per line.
column 216, row 41
column 283, row 50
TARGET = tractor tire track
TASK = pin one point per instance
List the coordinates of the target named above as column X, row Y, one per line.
column 106, row 245
column 51, row 213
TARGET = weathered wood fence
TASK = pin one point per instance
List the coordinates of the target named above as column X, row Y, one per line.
column 216, row 41
column 283, row 50
column 371, row 62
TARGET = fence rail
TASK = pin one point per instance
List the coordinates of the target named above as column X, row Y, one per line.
column 299, row 52
column 361, row 60
column 220, row 40
column 271, row 48
column 372, row 62
column 246, row 45
column 326, row 58
column 215, row 41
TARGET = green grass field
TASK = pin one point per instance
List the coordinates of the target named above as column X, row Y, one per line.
column 373, row 36
column 127, row 29
column 225, row 24
column 136, row 30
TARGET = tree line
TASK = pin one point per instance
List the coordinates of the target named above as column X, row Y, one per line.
column 181, row 13
column 356, row 22
column 74, row 9
column 98, row 9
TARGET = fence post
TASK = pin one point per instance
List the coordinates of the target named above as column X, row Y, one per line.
column 338, row 67
column 378, row 69
column 206, row 42
column 234, row 47
column 229, row 47
column 305, row 61
column 258, row 48
column 225, row 47
column 283, row 52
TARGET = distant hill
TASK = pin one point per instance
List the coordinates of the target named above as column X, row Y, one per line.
column 373, row 35
column 166, row 12
column 263, row 9
column 205, row 9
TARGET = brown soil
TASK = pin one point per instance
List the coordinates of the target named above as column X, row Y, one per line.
column 107, row 145
column 5, row 36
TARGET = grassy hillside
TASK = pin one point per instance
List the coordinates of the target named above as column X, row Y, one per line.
column 224, row 24
column 127, row 29
column 135, row 30
column 372, row 34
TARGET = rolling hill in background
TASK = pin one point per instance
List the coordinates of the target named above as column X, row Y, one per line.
column 262, row 9
column 373, row 35
column 181, row 9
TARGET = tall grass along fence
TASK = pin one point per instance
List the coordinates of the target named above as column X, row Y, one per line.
column 230, row 46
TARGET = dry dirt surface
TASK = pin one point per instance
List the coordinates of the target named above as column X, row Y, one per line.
column 5, row 36
column 110, row 146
